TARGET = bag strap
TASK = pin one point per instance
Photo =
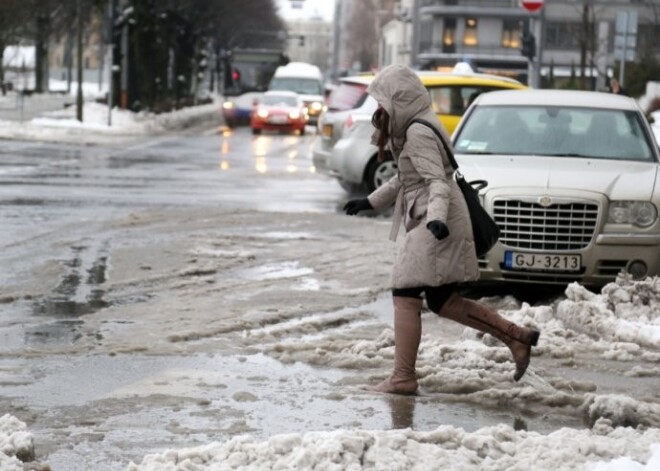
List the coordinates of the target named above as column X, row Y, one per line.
column 450, row 154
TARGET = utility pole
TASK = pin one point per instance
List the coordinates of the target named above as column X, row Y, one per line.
column 125, row 62
column 417, row 24
column 337, row 37
column 79, row 101
column 112, row 8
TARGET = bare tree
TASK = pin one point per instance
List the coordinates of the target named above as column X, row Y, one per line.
column 168, row 38
column 11, row 18
column 361, row 34
column 365, row 21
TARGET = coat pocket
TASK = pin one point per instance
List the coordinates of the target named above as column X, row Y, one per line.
column 416, row 208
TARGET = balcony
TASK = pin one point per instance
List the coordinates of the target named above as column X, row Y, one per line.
column 472, row 3
column 475, row 8
column 429, row 50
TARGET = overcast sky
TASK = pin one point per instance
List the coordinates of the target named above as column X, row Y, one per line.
column 310, row 8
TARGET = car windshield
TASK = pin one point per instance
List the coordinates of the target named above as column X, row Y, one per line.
column 347, row 96
column 274, row 100
column 299, row 85
column 555, row 131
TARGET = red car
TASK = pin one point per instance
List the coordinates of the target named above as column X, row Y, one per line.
column 279, row 111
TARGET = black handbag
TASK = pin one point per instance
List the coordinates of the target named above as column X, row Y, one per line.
column 485, row 230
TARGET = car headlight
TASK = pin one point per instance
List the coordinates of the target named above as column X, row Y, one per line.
column 228, row 105
column 262, row 113
column 638, row 213
column 294, row 115
column 316, row 106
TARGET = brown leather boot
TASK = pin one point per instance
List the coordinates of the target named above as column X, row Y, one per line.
column 473, row 314
column 407, row 335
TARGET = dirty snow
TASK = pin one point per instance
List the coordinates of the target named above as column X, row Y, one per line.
column 621, row 323
column 16, row 444
column 61, row 125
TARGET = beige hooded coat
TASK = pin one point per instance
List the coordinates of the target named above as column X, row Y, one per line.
column 424, row 189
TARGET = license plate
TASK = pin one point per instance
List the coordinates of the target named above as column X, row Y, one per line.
column 277, row 119
column 538, row 261
column 327, row 130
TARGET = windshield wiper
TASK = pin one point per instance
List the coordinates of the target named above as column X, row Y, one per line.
column 571, row 154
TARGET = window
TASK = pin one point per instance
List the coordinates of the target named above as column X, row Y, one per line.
column 511, row 33
column 470, row 34
column 454, row 100
column 564, row 36
column 556, row 131
column 347, row 96
column 449, row 35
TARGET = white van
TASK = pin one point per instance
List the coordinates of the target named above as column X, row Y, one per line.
column 304, row 79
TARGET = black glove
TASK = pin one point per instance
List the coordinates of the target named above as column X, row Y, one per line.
column 354, row 206
column 439, row 229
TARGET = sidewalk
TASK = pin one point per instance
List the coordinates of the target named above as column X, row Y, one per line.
column 52, row 118
column 18, row 108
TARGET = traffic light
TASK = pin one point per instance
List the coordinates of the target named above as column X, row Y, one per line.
column 236, row 75
column 528, row 48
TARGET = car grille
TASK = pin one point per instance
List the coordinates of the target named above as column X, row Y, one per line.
column 525, row 225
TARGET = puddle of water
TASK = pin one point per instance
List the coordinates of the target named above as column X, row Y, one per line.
column 20, row 328
column 78, row 291
column 141, row 404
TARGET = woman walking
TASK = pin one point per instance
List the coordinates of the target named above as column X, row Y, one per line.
column 438, row 250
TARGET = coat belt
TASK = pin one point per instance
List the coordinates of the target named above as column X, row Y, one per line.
column 399, row 210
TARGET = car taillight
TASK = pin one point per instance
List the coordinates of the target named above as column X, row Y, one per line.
column 348, row 124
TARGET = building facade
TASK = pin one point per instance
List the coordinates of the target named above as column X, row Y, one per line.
column 396, row 36
column 310, row 41
column 571, row 36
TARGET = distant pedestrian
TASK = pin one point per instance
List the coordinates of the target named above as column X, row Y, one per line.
column 438, row 250
column 616, row 88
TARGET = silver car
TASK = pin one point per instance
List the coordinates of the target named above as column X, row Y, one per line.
column 573, row 183
column 347, row 100
column 343, row 150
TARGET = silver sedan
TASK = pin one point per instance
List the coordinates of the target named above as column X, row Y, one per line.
column 573, row 183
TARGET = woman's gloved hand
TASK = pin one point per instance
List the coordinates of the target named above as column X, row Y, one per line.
column 438, row 228
column 355, row 206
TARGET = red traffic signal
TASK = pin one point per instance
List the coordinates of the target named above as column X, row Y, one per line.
column 235, row 75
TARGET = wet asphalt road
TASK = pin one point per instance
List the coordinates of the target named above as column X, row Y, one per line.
column 47, row 187
column 52, row 194
column 59, row 193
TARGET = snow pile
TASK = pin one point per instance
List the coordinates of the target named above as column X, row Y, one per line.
column 62, row 126
column 621, row 410
column 447, row 447
column 95, row 118
column 622, row 322
column 98, row 124
column 625, row 312
column 16, row 444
